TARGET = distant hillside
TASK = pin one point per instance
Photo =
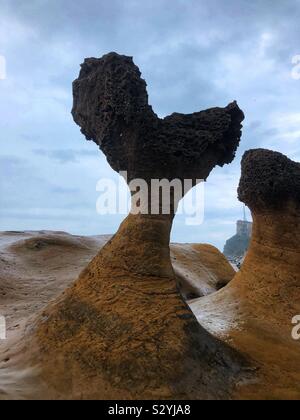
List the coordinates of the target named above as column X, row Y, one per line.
column 237, row 246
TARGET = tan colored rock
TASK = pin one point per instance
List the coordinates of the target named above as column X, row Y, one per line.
column 123, row 330
column 254, row 312
column 37, row 266
column 200, row 269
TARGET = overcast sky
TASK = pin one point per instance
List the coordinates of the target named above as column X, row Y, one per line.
column 194, row 54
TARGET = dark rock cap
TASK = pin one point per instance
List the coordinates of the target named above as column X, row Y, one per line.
column 111, row 107
column 269, row 180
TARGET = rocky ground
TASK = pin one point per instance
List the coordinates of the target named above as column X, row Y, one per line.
column 129, row 322
column 37, row 267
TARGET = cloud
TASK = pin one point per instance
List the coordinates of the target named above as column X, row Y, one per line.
column 65, row 155
column 193, row 54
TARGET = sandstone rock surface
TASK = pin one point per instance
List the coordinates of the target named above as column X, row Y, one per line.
column 254, row 312
column 200, row 269
column 36, row 268
column 123, row 330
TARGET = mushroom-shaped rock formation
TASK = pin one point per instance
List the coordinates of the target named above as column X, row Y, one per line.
column 123, row 330
column 255, row 311
column 111, row 107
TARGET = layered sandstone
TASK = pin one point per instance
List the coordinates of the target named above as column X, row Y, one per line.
column 200, row 269
column 255, row 311
column 36, row 267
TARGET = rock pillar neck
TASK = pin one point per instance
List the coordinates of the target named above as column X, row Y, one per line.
column 275, row 245
column 142, row 245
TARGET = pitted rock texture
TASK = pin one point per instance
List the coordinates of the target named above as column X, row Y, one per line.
column 111, row 107
column 255, row 311
column 271, row 182
column 36, row 267
column 123, row 330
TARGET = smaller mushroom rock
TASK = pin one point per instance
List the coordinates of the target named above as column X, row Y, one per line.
column 259, row 304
